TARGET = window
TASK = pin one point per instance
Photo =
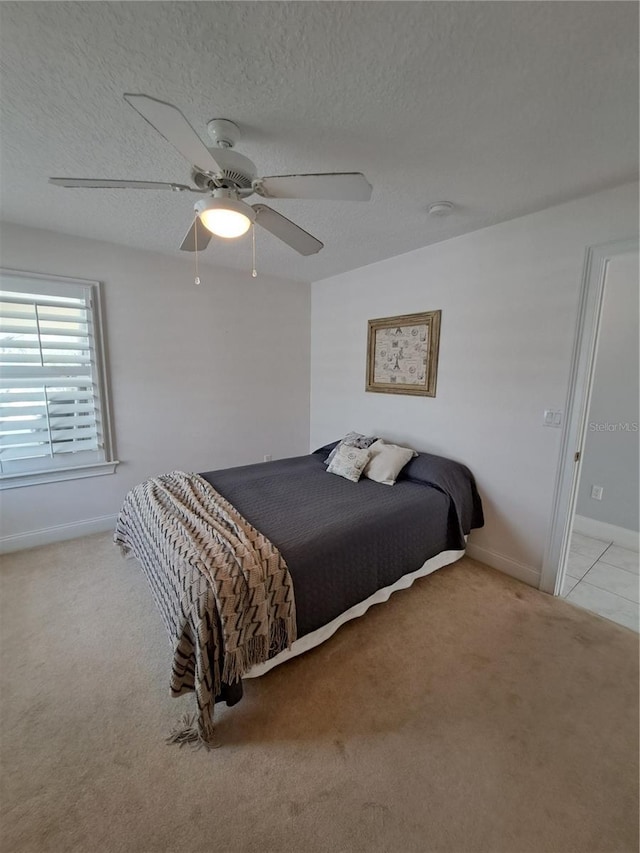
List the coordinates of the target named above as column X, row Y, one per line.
column 54, row 418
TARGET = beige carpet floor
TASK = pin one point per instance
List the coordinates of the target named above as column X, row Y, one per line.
column 469, row 713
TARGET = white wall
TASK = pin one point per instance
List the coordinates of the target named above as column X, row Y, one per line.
column 509, row 297
column 610, row 456
column 201, row 377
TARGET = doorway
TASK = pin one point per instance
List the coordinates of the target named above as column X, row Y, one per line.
column 592, row 554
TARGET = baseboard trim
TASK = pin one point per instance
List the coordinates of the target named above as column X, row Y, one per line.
column 504, row 564
column 48, row 535
column 609, row 532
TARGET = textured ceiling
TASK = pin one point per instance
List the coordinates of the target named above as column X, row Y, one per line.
column 502, row 108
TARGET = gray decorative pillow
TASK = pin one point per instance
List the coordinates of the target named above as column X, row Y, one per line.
column 352, row 439
column 349, row 462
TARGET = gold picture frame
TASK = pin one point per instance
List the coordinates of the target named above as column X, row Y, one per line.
column 402, row 354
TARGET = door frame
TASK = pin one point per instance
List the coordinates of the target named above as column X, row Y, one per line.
column 583, row 360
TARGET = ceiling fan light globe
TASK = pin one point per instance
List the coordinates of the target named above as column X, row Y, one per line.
column 225, row 217
column 225, row 223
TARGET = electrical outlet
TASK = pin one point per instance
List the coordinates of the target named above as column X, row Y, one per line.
column 596, row 493
column 267, row 457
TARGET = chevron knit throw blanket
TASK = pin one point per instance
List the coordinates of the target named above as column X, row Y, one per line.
column 223, row 588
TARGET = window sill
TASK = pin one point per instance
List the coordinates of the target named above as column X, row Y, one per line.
column 36, row 478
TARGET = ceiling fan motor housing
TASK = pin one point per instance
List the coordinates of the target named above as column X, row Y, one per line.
column 237, row 172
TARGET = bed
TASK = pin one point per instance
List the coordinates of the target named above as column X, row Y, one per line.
column 347, row 545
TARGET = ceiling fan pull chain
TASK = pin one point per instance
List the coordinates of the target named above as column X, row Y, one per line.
column 254, row 272
column 195, row 240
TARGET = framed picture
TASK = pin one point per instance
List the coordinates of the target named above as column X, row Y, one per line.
column 402, row 354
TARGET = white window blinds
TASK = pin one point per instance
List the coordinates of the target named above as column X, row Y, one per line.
column 52, row 396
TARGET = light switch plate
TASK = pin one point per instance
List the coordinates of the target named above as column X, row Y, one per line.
column 552, row 417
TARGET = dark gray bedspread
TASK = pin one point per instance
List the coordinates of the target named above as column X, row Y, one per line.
column 342, row 541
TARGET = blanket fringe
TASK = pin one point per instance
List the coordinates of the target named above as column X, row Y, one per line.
column 186, row 732
column 255, row 651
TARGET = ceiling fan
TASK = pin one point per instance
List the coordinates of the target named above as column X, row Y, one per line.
column 225, row 178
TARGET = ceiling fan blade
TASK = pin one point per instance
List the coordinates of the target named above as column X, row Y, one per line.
column 336, row 186
column 286, row 230
column 170, row 123
column 97, row 183
column 196, row 237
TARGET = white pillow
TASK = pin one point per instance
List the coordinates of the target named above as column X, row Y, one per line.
column 386, row 461
column 349, row 462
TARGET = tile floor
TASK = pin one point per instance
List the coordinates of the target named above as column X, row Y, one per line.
column 603, row 578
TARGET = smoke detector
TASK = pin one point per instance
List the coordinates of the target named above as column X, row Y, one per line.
column 440, row 208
